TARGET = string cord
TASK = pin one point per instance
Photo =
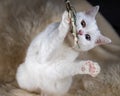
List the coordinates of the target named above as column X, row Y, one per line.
column 71, row 12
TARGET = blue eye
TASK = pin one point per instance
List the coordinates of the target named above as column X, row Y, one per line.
column 87, row 37
column 83, row 23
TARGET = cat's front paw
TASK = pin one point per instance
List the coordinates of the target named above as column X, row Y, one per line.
column 91, row 68
column 65, row 17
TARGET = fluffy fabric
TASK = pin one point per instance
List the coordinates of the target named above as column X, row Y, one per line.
column 21, row 20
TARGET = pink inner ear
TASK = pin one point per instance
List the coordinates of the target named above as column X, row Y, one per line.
column 103, row 40
column 98, row 41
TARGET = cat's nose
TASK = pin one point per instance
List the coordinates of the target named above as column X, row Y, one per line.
column 80, row 32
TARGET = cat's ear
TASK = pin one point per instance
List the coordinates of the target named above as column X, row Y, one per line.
column 92, row 12
column 102, row 40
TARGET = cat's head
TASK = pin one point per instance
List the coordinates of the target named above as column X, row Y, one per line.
column 87, row 30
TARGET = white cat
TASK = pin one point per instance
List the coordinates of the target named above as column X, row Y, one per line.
column 51, row 61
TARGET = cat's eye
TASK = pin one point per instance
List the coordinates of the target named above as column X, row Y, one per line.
column 83, row 23
column 88, row 37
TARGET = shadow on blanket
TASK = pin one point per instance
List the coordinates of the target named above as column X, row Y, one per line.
column 21, row 20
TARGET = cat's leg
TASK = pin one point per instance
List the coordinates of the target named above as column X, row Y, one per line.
column 60, row 33
column 71, row 69
column 62, row 73
column 64, row 26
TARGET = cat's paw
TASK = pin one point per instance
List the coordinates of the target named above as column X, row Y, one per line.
column 65, row 17
column 91, row 68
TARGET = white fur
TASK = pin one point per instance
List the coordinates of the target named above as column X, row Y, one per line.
column 50, row 63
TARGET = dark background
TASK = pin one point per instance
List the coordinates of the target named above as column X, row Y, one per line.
column 110, row 9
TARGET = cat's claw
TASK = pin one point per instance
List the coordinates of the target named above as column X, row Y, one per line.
column 91, row 68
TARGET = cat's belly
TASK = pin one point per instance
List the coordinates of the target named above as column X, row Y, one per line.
column 63, row 54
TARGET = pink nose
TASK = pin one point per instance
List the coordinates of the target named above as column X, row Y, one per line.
column 80, row 32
